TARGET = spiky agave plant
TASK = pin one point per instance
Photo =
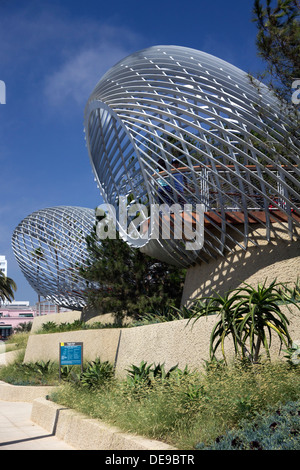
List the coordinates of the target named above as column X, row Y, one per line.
column 249, row 315
column 258, row 314
column 223, row 307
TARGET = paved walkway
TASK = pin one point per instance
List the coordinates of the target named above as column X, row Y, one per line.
column 18, row 432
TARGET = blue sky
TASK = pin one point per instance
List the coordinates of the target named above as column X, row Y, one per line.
column 52, row 54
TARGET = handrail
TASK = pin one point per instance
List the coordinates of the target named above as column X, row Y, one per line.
column 221, row 168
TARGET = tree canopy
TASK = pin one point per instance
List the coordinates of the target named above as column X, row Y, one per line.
column 7, row 288
column 278, row 43
column 122, row 279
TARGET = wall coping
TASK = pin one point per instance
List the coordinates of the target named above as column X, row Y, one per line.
column 23, row 393
column 84, row 433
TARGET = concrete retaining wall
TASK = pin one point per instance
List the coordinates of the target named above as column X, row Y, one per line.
column 101, row 343
column 58, row 318
column 279, row 259
column 171, row 343
column 87, row 434
column 177, row 342
column 74, row 428
column 23, row 393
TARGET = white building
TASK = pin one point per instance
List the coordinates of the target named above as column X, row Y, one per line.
column 3, row 265
column 18, row 304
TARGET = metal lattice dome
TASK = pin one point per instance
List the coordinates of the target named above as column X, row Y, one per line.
column 171, row 124
column 50, row 246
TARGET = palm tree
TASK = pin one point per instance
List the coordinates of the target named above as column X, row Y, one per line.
column 7, row 288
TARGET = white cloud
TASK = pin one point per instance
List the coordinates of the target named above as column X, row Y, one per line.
column 78, row 76
column 59, row 56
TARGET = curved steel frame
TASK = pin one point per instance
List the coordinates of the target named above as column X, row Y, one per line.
column 50, row 246
column 166, row 105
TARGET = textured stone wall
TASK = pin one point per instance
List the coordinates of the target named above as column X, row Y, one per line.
column 171, row 343
column 101, row 343
column 180, row 342
column 280, row 258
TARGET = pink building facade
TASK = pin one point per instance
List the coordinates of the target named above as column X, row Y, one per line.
column 12, row 315
column 10, row 318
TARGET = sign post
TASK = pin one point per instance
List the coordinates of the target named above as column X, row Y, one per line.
column 70, row 354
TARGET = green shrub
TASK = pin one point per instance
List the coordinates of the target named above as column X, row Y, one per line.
column 49, row 327
column 33, row 373
column 272, row 430
column 67, row 373
column 166, row 314
column 139, row 373
column 23, row 327
column 17, row 341
column 249, row 316
column 148, row 373
column 52, row 327
column 96, row 374
column 189, row 406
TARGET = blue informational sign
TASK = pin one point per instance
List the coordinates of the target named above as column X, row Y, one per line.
column 71, row 354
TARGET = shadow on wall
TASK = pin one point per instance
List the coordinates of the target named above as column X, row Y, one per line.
column 279, row 258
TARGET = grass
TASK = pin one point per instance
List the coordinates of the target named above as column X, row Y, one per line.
column 38, row 373
column 277, row 429
column 222, row 407
column 17, row 341
column 186, row 410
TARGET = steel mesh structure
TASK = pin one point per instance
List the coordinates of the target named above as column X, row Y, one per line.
column 170, row 124
column 50, row 246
